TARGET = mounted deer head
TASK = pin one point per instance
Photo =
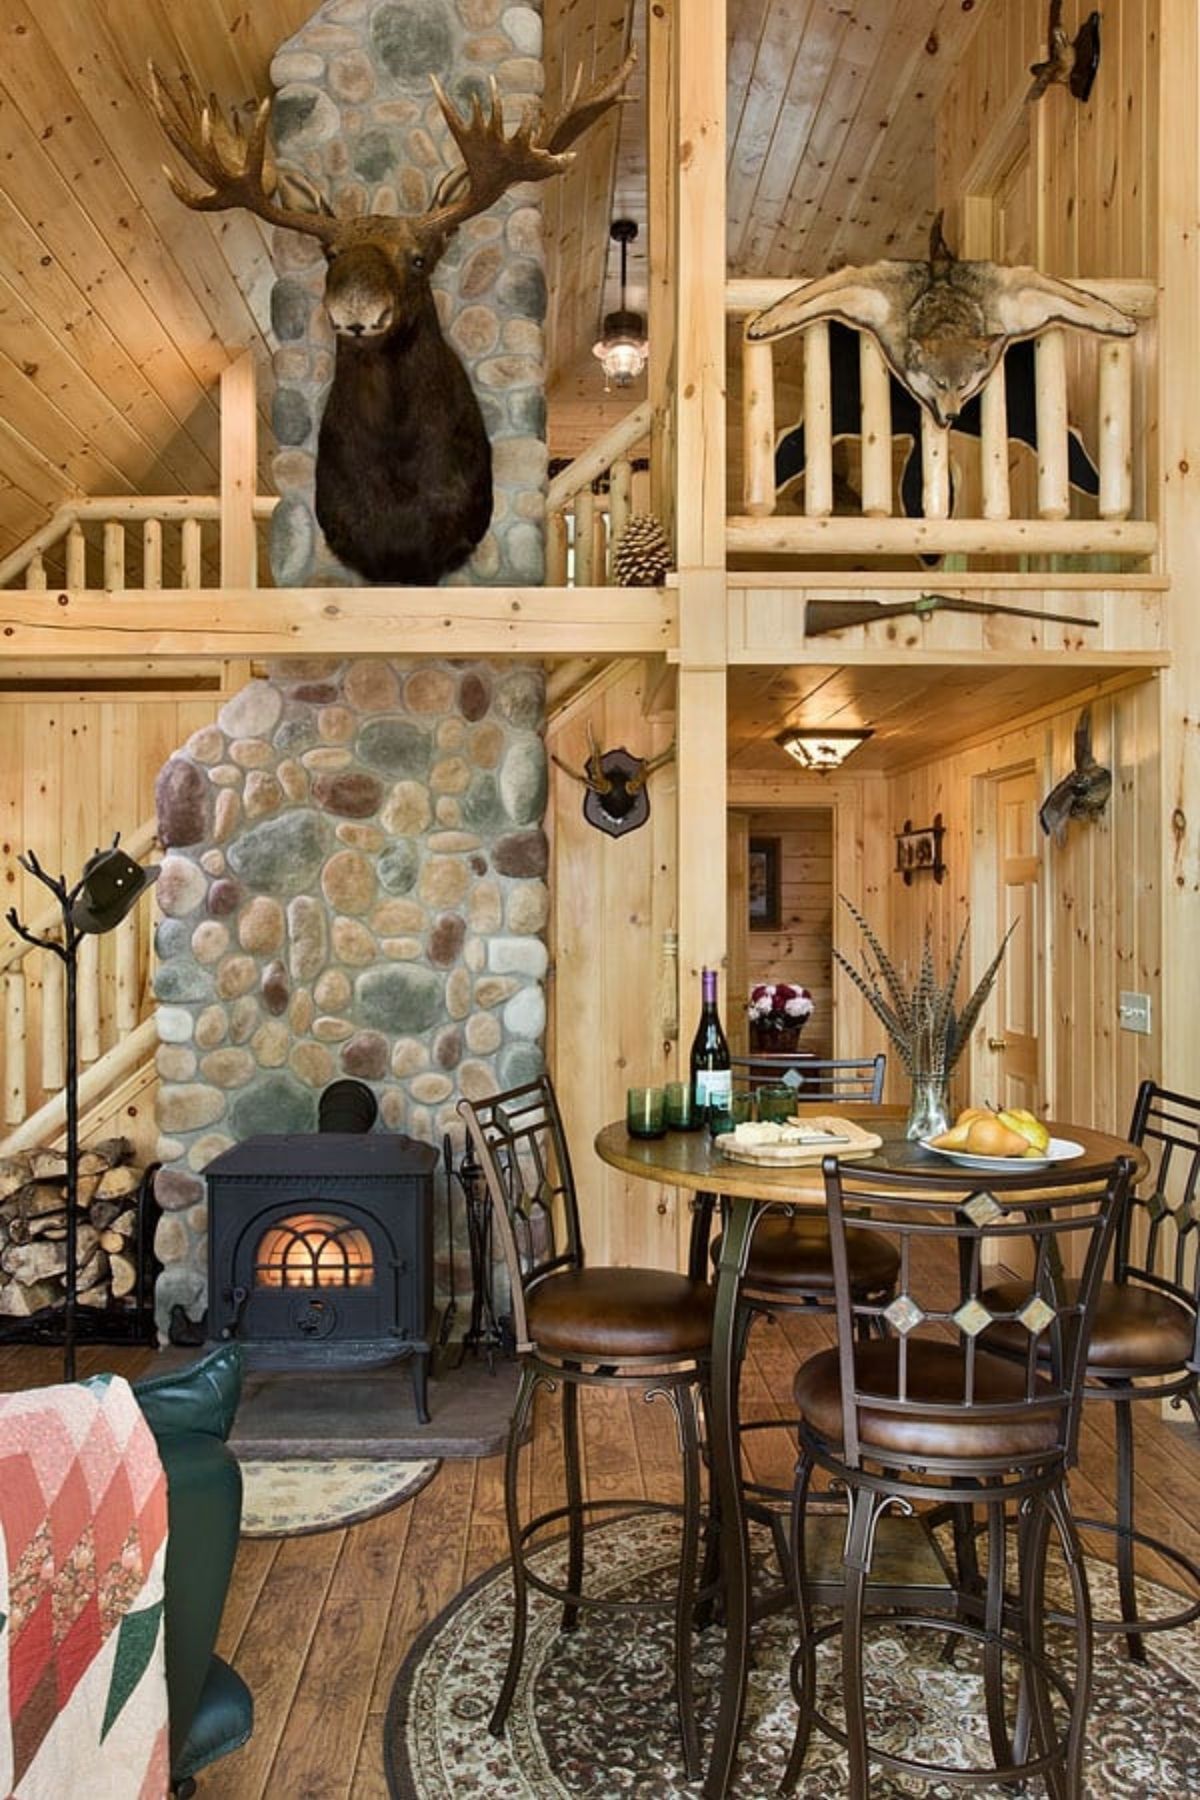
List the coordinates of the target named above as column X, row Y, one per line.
column 616, row 801
column 404, row 485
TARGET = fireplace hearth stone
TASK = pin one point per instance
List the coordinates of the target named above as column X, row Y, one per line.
column 321, row 1251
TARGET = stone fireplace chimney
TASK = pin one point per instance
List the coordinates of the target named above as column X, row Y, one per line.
column 353, row 885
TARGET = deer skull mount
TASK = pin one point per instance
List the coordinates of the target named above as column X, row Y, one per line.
column 616, row 801
column 942, row 325
column 404, row 465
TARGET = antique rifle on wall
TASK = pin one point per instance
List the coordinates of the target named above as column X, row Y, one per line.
column 839, row 615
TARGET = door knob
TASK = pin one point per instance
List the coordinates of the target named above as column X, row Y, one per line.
column 997, row 1043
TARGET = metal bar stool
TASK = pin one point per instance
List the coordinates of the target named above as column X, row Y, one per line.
column 575, row 1326
column 1145, row 1342
column 924, row 1421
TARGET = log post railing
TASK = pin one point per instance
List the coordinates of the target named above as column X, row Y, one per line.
column 573, row 516
column 1048, row 529
column 114, row 542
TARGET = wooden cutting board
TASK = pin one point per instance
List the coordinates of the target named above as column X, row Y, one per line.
column 858, row 1144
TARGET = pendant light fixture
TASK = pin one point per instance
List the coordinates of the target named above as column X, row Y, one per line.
column 622, row 349
column 817, row 749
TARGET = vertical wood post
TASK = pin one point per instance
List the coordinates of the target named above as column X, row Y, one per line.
column 662, row 122
column 875, row 388
column 239, row 474
column 818, row 424
column 1179, row 512
column 758, row 428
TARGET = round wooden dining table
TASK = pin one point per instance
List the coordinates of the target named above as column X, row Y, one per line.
column 691, row 1160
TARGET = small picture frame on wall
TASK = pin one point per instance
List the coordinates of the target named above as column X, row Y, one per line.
column 919, row 850
column 764, row 876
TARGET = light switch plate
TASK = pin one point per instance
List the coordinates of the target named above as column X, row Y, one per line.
column 1133, row 1011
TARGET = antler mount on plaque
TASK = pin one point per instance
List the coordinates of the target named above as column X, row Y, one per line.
column 404, row 474
column 616, row 801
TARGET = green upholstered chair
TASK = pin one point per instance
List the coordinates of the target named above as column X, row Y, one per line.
column 191, row 1413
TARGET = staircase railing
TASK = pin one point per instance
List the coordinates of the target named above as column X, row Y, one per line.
column 113, row 998
column 582, row 532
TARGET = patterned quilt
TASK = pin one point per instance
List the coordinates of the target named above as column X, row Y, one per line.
column 83, row 1534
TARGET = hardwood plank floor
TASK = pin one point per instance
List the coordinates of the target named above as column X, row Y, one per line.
column 318, row 1626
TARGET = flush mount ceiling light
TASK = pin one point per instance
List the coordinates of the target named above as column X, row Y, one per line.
column 816, row 749
column 622, row 349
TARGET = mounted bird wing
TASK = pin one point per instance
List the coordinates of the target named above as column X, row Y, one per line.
column 942, row 325
column 1083, row 794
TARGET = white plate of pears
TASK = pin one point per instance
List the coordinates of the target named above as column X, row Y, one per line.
column 1010, row 1140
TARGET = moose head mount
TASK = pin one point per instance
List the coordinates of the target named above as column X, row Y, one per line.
column 404, row 469
column 941, row 325
column 616, row 801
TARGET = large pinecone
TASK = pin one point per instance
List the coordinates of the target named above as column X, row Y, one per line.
column 643, row 554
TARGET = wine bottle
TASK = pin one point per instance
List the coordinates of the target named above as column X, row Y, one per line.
column 712, row 1081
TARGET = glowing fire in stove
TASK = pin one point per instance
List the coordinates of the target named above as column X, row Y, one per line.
column 314, row 1250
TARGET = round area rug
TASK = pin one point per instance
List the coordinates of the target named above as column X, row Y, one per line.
column 593, row 1715
column 288, row 1499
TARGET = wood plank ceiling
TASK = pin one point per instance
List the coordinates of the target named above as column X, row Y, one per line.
column 119, row 308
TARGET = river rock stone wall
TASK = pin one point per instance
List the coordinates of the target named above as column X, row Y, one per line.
column 355, row 114
column 353, row 884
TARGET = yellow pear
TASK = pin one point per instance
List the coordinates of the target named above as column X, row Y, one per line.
column 1030, row 1128
column 991, row 1137
column 955, row 1138
column 973, row 1112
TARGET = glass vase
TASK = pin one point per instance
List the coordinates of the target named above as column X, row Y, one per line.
column 929, row 1106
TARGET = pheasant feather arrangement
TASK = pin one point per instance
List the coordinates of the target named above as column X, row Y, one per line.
column 920, row 1017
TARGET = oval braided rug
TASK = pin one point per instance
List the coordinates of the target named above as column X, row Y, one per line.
column 593, row 1715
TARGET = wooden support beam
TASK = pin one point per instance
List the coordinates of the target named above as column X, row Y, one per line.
column 239, row 465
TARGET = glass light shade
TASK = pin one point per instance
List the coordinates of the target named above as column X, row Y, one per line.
column 816, row 749
column 623, row 349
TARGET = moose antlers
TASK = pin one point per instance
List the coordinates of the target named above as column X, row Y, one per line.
column 231, row 162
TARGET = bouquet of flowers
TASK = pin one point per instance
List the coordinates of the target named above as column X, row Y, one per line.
column 777, row 1006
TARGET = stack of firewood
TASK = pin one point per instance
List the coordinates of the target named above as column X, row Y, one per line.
column 33, row 1229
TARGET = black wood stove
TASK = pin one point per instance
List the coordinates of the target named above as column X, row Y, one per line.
column 320, row 1251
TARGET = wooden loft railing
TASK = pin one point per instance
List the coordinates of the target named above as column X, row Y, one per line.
column 116, row 1027
column 119, row 542
column 996, row 530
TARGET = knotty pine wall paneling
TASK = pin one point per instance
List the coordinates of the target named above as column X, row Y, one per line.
column 801, row 949
column 612, row 901
column 1101, row 918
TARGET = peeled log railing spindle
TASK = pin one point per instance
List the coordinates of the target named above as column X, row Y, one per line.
column 620, row 503
column 993, row 446
column 152, row 563
column 54, row 1043
column 758, row 417
column 15, row 1102
column 88, row 985
column 35, row 574
column 114, row 556
column 585, row 538
column 126, row 958
column 189, row 554
column 556, row 549
column 1116, row 429
column 818, row 438
column 76, row 569
column 935, row 468
column 875, row 388
column 1050, row 391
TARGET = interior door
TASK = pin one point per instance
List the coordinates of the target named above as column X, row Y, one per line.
column 1013, row 1069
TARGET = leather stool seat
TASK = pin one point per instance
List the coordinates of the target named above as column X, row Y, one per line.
column 934, row 1378
column 1135, row 1331
column 613, row 1312
column 794, row 1254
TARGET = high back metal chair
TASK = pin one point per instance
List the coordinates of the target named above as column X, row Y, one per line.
column 576, row 1326
column 1145, row 1342
column 840, row 1080
column 924, row 1417
column 789, row 1266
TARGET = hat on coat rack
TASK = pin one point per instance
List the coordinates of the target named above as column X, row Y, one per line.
column 108, row 888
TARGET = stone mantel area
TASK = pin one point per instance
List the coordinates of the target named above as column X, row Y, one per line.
column 353, row 884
